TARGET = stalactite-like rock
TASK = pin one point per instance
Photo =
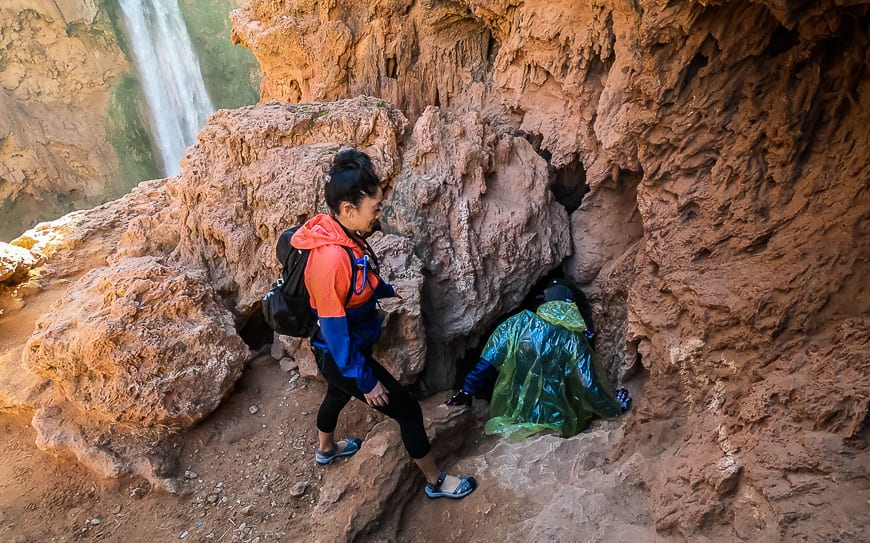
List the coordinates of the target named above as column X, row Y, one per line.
column 725, row 232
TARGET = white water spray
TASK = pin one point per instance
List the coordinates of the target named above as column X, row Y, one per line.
column 169, row 74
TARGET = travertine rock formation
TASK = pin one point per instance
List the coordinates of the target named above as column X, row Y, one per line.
column 139, row 342
column 723, row 239
column 67, row 249
column 484, row 223
column 259, row 170
column 144, row 344
column 15, row 262
column 724, row 236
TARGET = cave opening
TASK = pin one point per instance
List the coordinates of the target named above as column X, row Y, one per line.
column 698, row 62
column 568, row 184
column 781, row 41
column 253, row 329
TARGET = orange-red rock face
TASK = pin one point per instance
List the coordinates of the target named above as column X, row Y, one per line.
column 725, row 235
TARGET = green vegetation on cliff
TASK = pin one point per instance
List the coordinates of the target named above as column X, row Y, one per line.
column 127, row 118
column 127, row 130
column 231, row 73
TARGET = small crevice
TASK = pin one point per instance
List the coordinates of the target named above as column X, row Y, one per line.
column 698, row 61
column 568, row 185
column 781, row 41
column 254, row 330
column 391, row 67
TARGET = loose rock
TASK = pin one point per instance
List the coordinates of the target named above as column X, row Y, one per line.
column 298, row 489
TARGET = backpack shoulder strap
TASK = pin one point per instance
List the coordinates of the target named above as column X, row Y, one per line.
column 283, row 248
column 352, row 275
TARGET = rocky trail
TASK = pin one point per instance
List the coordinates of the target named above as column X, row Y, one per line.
column 249, row 476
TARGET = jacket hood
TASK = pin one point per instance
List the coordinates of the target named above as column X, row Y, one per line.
column 564, row 314
column 321, row 230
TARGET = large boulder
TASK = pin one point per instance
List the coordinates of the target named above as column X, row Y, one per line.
column 140, row 342
column 259, row 170
column 370, row 494
column 483, row 221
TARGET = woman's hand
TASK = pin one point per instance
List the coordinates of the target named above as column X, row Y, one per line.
column 378, row 396
column 395, row 292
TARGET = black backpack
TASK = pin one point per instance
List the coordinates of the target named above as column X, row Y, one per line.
column 286, row 307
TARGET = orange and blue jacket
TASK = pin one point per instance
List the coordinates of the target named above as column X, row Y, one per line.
column 346, row 332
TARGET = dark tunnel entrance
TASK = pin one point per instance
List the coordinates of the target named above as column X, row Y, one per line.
column 568, row 185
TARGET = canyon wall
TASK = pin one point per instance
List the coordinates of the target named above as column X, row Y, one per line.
column 74, row 127
column 58, row 62
column 724, row 236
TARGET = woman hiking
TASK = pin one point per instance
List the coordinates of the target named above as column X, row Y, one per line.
column 344, row 298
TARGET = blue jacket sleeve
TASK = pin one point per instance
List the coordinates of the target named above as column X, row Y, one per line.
column 349, row 360
column 384, row 290
column 478, row 376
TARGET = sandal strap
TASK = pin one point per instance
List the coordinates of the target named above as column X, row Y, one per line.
column 464, row 486
column 330, row 452
column 437, row 486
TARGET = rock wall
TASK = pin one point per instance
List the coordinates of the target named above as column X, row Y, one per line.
column 74, row 126
column 57, row 63
column 724, row 238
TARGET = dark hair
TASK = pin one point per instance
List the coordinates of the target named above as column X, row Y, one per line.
column 351, row 178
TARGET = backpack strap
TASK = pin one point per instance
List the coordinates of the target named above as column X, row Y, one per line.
column 352, row 275
column 361, row 243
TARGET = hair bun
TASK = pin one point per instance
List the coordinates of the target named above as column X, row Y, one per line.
column 347, row 159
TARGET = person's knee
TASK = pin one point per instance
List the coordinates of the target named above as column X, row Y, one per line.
column 401, row 398
column 413, row 412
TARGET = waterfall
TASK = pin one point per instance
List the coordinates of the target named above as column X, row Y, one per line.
column 169, row 74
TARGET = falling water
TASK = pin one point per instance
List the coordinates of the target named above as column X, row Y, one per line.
column 169, row 74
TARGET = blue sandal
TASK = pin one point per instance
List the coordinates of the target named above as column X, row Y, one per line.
column 326, row 457
column 465, row 487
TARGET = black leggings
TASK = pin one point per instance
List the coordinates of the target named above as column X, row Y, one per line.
column 403, row 408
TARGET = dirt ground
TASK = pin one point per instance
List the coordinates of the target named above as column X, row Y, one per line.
column 249, row 477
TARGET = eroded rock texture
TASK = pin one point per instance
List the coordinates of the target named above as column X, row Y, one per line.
column 483, row 220
column 139, row 342
column 261, row 169
column 15, row 263
column 724, row 238
column 146, row 343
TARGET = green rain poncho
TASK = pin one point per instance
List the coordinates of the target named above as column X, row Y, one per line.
column 549, row 378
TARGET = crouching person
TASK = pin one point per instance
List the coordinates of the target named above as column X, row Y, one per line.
column 549, row 378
